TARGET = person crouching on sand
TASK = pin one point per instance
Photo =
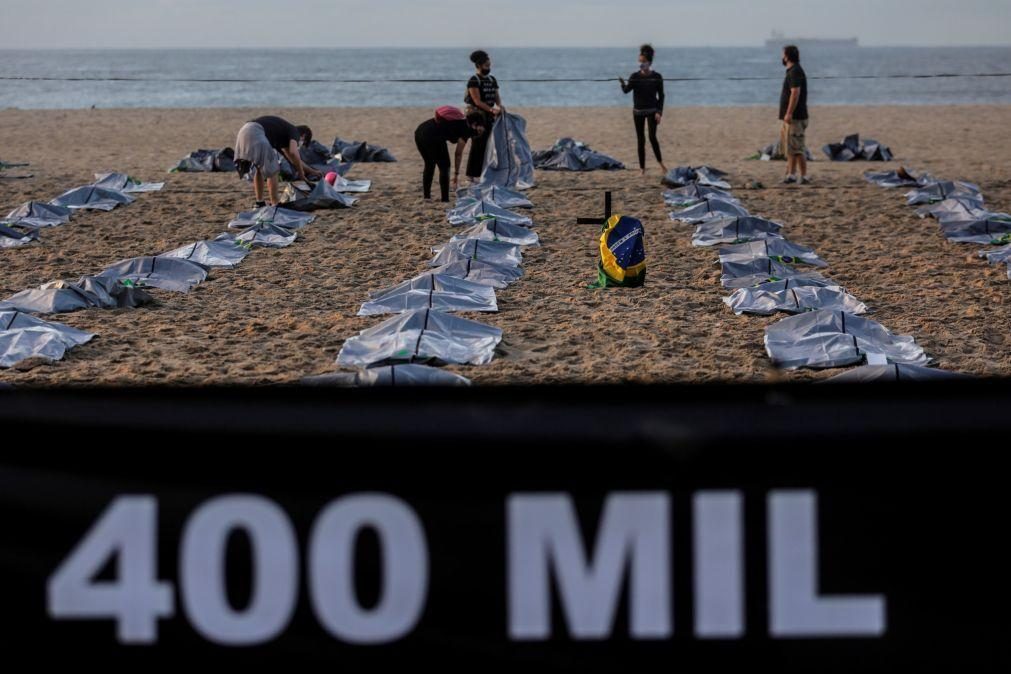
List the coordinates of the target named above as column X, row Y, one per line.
column 256, row 149
column 647, row 104
column 793, row 113
column 449, row 125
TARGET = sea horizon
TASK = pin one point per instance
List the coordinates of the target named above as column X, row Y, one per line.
column 656, row 45
column 531, row 77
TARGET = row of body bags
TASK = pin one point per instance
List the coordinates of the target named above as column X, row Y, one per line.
column 836, row 335
column 176, row 270
column 125, row 284
column 109, row 190
column 25, row 336
column 959, row 209
column 832, row 337
column 314, row 154
column 463, row 277
column 484, row 256
column 769, row 274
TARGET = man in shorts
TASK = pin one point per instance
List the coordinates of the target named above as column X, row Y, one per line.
column 256, row 149
column 793, row 113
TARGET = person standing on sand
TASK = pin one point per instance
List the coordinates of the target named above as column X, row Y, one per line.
column 483, row 97
column 647, row 104
column 793, row 113
column 256, row 148
column 449, row 125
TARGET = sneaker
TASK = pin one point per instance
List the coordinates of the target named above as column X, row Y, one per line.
column 259, row 204
column 805, row 181
column 789, row 180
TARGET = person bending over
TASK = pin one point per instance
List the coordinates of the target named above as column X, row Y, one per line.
column 482, row 96
column 448, row 126
column 647, row 104
column 256, row 149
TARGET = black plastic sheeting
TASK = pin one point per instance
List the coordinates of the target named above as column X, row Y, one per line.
column 360, row 151
column 206, row 161
column 572, row 155
column 851, row 149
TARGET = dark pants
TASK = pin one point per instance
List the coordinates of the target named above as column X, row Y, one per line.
column 640, row 136
column 434, row 153
column 478, row 145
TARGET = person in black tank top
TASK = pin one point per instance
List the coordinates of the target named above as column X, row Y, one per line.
column 646, row 86
column 482, row 96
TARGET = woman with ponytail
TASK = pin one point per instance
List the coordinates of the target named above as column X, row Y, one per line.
column 483, row 98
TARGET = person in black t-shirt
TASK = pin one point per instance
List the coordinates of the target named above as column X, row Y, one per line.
column 257, row 146
column 793, row 113
column 431, row 137
column 647, row 104
column 482, row 96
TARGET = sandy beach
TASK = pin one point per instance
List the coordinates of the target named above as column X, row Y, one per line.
column 283, row 314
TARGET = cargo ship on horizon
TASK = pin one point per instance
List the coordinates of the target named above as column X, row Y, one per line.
column 778, row 40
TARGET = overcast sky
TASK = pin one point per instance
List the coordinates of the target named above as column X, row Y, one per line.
column 468, row 23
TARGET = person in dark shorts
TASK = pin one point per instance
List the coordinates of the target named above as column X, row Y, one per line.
column 449, row 125
column 483, row 96
column 257, row 146
column 793, row 114
column 647, row 104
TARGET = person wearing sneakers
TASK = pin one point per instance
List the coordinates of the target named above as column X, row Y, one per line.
column 793, row 113
column 256, row 150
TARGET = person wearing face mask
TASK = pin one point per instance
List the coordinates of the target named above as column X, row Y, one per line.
column 647, row 101
column 483, row 97
column 793, row 113
column 449, row 125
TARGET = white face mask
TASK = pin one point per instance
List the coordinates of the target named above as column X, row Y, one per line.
column 644, row 66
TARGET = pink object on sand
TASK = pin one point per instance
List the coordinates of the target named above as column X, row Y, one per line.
column 331, row 177
column 448, row 113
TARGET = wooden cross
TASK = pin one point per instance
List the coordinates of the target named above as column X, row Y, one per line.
column 599, row 221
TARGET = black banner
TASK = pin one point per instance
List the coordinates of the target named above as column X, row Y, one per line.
column 812, row 529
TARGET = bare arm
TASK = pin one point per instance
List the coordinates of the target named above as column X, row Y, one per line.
column 291, row 154
column 296, row 161
column 475, row 97
column 458, row 159
column 794, row 98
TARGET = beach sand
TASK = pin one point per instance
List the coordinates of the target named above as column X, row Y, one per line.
column 283, row 314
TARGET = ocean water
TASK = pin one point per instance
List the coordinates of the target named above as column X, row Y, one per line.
column 80, row 79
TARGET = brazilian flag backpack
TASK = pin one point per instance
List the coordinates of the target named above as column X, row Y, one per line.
column 622, row 254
